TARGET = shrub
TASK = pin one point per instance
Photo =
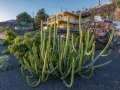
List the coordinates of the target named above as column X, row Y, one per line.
column 10, row 36
column 4, row 28
column 6, row 51
column 4, row 65
column 22, row 45
column 5, row 42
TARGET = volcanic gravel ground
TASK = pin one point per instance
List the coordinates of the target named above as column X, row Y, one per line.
column 104, row 78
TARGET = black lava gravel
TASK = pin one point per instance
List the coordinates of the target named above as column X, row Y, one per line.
column 104, row 78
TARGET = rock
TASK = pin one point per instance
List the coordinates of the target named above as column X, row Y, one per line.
column 116, row 14
column 118, row 41
column 6, row 68
column 103, row 10
column 117, row 33
column 116, row 44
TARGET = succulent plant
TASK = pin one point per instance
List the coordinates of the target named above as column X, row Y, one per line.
column 4, row 65
column 62, row 58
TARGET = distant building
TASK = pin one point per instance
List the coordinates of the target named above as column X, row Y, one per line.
column 14, row 26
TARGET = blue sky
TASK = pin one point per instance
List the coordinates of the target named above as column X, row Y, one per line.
column 9, row 9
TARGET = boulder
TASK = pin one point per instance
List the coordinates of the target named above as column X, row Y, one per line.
column 116, row 41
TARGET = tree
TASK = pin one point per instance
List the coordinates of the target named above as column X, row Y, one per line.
column 41, row 15
column 25, row 17
column 116, row 2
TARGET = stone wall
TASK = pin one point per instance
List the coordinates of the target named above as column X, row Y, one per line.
column 100, row 29
column 116, row 15
column 102, row 10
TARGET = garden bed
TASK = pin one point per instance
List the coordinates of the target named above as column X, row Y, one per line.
column 104, row 78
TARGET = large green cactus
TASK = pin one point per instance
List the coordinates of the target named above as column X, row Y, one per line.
column 60, row 58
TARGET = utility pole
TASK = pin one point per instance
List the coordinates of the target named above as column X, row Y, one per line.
column 61, row 9
column 33, row 22
column 65, row 9
column 83, row 8
column 99, row 2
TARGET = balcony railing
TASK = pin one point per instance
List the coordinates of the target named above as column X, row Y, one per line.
column 63, row 19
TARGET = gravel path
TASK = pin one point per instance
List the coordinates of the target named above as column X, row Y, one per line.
column 104, row 78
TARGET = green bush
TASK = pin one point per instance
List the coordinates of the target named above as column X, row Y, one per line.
column 27, row 35
column 23, row 44
column 6, row 51
column 10, row 36
column 5, row 42
column 1, row 29
column 4, row 28
column 105, row 15
column 4, row 65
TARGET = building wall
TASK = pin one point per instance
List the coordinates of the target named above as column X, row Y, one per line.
column 64, row 25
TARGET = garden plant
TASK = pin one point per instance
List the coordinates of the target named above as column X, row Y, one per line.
column 46, row 55
column 4, row 65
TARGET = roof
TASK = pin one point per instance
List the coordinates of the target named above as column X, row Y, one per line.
column 85, row 14
column 74, row 14
column 66, row 13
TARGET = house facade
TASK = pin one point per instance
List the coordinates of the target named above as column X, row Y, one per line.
column 62, row 19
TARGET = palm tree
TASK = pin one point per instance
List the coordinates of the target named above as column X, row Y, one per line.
column 116, row 2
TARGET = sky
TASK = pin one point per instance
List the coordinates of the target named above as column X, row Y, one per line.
column 9, row 9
